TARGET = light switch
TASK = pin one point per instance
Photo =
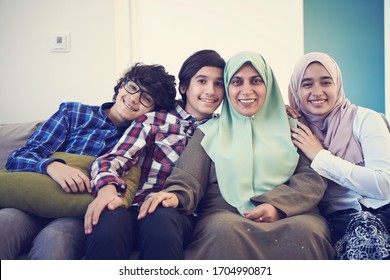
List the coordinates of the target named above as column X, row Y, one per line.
column 60, row 42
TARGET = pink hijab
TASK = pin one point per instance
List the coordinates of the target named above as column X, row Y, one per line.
column 334, row 129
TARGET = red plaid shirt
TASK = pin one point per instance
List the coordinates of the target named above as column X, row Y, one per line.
column 155, row 141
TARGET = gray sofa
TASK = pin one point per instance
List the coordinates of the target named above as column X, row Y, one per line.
column 13, row 136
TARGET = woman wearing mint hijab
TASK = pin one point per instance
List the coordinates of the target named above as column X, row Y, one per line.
column 255, row 196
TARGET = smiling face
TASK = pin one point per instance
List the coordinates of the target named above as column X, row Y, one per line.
column 247, row 91
column 127, row 107
column 205, row 92
column 318, row 92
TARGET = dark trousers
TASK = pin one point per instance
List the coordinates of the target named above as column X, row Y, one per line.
column 163, row 234
column 361, row 234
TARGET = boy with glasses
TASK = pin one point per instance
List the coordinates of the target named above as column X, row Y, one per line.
column 144, row 97
column 85, row 130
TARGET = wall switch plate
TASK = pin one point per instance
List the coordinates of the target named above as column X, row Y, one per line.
column 60, row 42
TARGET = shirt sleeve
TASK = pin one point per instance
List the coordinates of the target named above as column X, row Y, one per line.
column 34, row 156
column 300, row 194
column 109, row 168
column 371, row 180
column 191, row 175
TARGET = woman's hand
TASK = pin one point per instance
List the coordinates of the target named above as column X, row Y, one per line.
column 150, row 204
column 264, row 213
column 69, row 178
column 107, row 197
column 306, row 141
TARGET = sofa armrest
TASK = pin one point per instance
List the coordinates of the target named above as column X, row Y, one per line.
column 13, row 136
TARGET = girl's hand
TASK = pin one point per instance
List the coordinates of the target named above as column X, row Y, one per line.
column 292, row 113
column 306, row 141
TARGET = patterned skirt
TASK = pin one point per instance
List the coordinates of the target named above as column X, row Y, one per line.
column 361, row 235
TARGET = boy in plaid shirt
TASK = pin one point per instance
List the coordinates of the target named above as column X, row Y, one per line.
column 155, row 141
column 80, row 129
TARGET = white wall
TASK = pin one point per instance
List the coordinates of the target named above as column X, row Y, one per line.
column 107, row 36
column 168, row 31
column 34, row 80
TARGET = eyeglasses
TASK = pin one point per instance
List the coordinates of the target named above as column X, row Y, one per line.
column 144, row 98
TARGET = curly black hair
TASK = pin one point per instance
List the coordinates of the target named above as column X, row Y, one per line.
column 156, row 81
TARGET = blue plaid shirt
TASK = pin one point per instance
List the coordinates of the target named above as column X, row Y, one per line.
column 74, row 128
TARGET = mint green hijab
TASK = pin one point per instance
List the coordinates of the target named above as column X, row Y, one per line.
column 252, row 155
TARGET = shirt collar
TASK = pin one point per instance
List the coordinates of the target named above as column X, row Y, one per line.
column 181, row 113
column 106, row 106
column 103, row 107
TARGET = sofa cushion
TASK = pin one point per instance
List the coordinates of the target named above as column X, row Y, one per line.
column 39, row 194
column 13, row 136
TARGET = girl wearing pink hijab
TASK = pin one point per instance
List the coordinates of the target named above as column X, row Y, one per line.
column 350, row 146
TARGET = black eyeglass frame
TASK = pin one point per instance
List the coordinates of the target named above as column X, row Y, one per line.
column 144, row 101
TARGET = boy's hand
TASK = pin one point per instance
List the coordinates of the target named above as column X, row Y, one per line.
column 107, row 197
column 69, row 178
column 150, row 204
